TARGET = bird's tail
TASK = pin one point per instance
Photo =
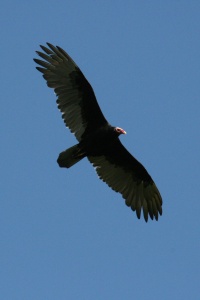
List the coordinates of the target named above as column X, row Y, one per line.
column 70, row 157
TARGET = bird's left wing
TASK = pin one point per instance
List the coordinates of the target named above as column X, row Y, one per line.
column 124, row 174
column 75, row 96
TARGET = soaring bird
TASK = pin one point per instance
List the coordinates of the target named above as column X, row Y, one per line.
column 97, row 139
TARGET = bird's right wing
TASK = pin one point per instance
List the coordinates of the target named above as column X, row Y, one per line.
column 124, row 174
column 76, row 99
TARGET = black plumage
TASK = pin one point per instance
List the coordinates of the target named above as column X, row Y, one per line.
column 98, row 140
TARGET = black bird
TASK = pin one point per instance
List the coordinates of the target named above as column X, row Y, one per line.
column 98, row 140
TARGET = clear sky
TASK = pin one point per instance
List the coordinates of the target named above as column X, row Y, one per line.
column 63, row 233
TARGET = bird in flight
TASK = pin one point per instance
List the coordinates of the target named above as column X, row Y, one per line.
column 97, row 139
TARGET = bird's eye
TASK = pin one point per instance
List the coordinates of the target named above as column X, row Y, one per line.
column 118, row 129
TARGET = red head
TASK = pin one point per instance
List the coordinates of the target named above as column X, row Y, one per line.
column 120, row 130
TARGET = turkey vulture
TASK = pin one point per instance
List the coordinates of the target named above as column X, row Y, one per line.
column 97, row 139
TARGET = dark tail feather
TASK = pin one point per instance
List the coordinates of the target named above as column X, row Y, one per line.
column 68, row 158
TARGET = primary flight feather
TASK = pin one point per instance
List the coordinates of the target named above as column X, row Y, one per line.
column 98, row 140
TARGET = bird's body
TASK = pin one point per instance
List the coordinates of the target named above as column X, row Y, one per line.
column 93, row 144
column 98, row 140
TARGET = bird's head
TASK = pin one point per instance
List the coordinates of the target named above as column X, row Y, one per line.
column 119, row 130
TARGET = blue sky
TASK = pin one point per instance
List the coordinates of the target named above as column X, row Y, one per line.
column 63, row 233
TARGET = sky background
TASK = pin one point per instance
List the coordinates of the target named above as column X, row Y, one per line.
column 63, row 233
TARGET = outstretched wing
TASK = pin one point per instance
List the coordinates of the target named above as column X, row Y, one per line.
column 76, row 99
column 124, row 174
